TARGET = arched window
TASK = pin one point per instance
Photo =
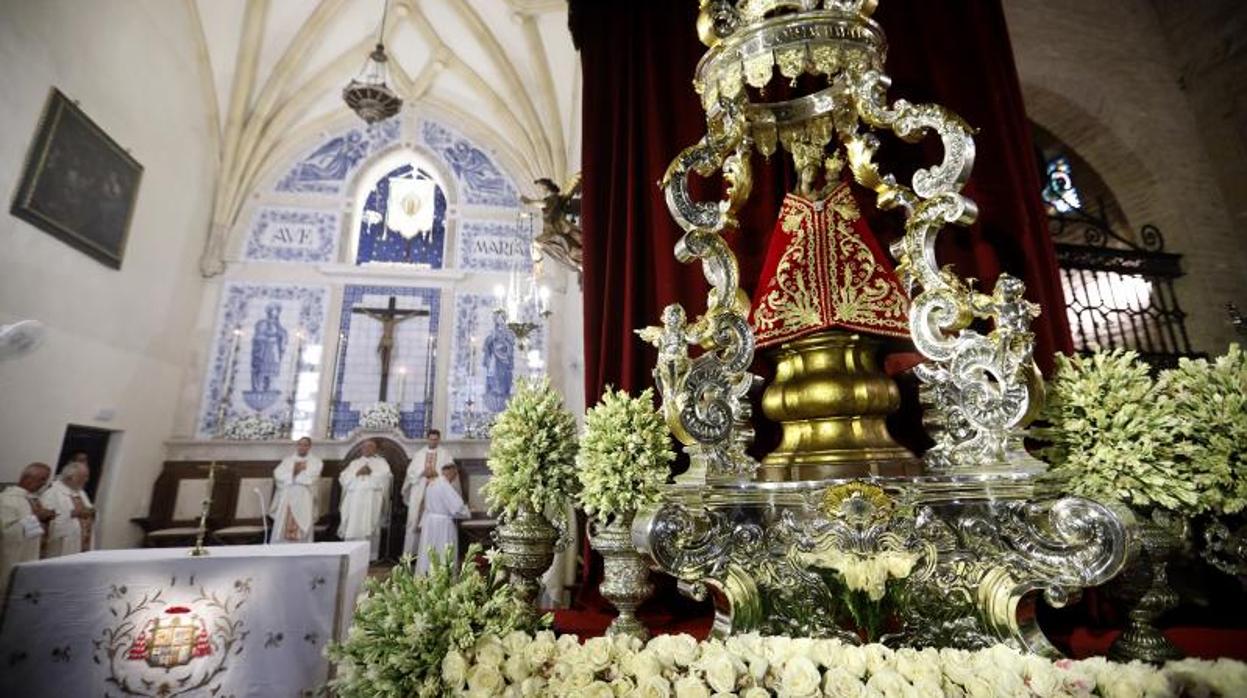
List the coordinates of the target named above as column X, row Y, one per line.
column 1118, row 284
column 403, row 220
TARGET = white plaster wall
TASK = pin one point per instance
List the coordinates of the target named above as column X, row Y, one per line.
column 117, row 339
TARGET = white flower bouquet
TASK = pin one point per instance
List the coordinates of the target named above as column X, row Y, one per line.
column 625, row 454
column 406, row 625
column 1209, row 400
column 532, row 452
column 1112, row 432
column 253, row 427
column 751, row 666
column 869, row 585
column 381, row 416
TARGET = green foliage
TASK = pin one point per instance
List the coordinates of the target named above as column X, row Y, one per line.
column 1114, row 433
column 1210, row 402
column 532, row 452
column 625, row 455
column 406, row 623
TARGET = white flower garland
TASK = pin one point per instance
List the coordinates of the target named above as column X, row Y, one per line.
column 751, row 666
column 253, row 427
column 625, row 455
column 381, row 416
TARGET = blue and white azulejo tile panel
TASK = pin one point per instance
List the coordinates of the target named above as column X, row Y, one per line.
column 326, row 168
column 493, row 246
column 412, row 344
column 265, row 356
column 486, row 363
column 283, row 234
column 480, row 180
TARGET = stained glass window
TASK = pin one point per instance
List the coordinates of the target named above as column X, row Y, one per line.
column 1059, row 193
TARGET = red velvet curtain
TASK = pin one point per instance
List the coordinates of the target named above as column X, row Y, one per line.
column 639, row 111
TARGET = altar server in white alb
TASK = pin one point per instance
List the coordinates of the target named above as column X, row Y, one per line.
column 365, row 495
column 294, row 501
column 70, row 531
column 442, row 505
column 22, row 518
column 423, row 469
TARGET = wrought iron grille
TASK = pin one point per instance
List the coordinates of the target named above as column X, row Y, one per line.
column 1119, row 292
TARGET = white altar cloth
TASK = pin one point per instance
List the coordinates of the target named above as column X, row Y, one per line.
column 248, row 620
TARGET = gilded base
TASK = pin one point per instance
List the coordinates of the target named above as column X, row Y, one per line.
column 832, row 399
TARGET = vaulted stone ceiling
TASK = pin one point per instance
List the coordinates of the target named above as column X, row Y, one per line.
column 505, row 67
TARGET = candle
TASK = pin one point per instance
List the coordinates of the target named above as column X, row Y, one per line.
column 228, row 377
column 402, row 384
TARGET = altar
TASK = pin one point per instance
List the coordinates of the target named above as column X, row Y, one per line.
column 244, row 620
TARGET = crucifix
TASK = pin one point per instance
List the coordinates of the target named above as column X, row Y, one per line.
column 389, row 317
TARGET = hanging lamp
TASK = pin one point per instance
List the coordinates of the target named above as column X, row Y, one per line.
column 367, row 94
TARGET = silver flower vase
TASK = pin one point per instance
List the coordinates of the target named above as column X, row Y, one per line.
column 626, row 578
column 1146, row 581
column 527, row 543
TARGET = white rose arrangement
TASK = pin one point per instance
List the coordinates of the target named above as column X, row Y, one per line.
column 410, row 631
column 252, row 428
column 625, row 455
column 381, row 416
column 532, row 452
column 751, row 666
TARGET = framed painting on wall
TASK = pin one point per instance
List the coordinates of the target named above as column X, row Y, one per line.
column 78, row 183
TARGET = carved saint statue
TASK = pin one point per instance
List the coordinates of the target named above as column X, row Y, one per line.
column 499, row 364
column 268, row 344
column 560, row 218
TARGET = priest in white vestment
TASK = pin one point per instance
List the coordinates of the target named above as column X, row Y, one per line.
column 442, row 506
column 365, row 494
column 422, row 470
column 22, row 520
column 70, row 531
column 294, row 501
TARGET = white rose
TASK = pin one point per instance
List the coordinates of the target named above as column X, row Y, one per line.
column 745, row 646
column 838, row 683
column 627, row 644
column 516, row 668
column 597, row 653
column 978, row 687
column 623, row 686
column 532, row 687
column 644, row 663
column 852, row 660
column 889, row 683
column 800, row 678
column 917, row 668
column 454, row 670
column 540, row 651
column 877, row 657
column 720, row 672
column 489, row 650
column 486, row 678
column 777, row 649
column 580, row 677
column 515, row 642
column 568, row 643
column 758, row 666
column 653, row 686
column 824, row 652
column 597, row 689
column 755, row 692
column 684, row 649
column 952, row 690
column 691, row 687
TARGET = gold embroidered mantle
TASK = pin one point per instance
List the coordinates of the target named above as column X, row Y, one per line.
column 825, row 269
